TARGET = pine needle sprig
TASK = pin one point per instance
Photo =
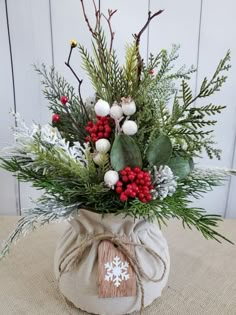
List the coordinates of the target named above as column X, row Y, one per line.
column 43, row 213
column 72, row 116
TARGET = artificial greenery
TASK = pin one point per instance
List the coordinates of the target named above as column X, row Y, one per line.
column 174, row 127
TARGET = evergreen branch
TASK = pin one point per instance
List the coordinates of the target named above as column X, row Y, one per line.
column 43, row 213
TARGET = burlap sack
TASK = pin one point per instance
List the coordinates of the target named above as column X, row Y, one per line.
column 79, row 284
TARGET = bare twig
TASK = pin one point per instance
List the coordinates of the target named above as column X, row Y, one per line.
column 80, row 81
column 87, row 20
column 98, row 17
column 138, row 38
column 110, row 14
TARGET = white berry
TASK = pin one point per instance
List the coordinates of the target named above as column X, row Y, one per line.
column 130, row 127
column 111, row 178
column 103, row 145
column 102, row 108
column 116, row 111
column 98, row 158
column 129, row 108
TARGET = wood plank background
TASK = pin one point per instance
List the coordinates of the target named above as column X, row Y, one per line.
column 39, row 32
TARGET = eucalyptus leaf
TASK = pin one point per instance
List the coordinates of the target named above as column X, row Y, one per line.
column 159, row 151
column 125, row 152
column 181, row 167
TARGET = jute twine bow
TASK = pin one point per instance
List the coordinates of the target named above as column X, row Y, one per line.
column 79, row 250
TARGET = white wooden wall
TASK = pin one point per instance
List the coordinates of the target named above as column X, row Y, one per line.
column 39, row 32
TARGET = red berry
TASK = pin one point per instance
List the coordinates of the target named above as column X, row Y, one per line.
column 133, row 194
column 119, row 183
column 137, row 169
column 88, row 128
column 149, row 197
column 106, row 135
column 64, row 100
column 90, row 123
column 94, row 129
column 100, row 134
column 107, row 128
column 125, row 179
column 128, row 191
column 56, row 118
column 93, row 135
column 131, row 177
column 123, row 197
column 141, row 196
column 119, row 190
column 152, row 71
column 87, row 139
column 101, row 128
column 140, row 176
column 142, row 182
column 127, row 169
column 123, row 172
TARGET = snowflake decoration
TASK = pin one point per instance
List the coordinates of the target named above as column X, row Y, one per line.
column 116, row 271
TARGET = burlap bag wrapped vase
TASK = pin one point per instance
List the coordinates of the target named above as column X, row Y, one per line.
column 76, row 261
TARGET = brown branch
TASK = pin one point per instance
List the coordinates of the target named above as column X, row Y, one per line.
column 98, row 17
column 67, row 63
column 110, row 14
column 87, row 20
column 138, row 38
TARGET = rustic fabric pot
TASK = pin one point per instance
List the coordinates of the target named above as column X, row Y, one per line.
column 79, row 285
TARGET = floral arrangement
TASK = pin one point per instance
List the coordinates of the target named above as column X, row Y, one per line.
column 130, row 148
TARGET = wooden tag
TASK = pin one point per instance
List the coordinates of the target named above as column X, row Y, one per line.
column 115, row 276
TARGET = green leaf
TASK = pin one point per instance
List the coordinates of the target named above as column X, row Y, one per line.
column 159, row 151
column 181, row 167
column 125, row 152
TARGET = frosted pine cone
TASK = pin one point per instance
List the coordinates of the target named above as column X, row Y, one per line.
column 164, row 183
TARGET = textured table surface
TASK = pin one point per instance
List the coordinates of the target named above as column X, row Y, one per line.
column 202, row 279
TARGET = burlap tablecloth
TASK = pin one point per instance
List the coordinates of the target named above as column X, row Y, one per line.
column 202, row 278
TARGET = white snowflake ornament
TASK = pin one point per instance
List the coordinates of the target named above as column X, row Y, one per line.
column 130, row 127
column 117, row 271
column 102, row 108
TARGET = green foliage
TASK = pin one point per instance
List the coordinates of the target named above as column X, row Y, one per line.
column 180, row 167
column 165, row 135
column 44, row 212
column 159, row 151
column 125, row 152
column 72, row 117
column 186, row 125
column 130, row 70
column 110, row 80
column 179, row 206
column 187, row 122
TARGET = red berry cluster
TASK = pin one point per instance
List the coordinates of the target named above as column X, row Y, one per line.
column 134, row 183
column 99, row 129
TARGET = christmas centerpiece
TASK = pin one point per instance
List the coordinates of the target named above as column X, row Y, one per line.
column 115, row 163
